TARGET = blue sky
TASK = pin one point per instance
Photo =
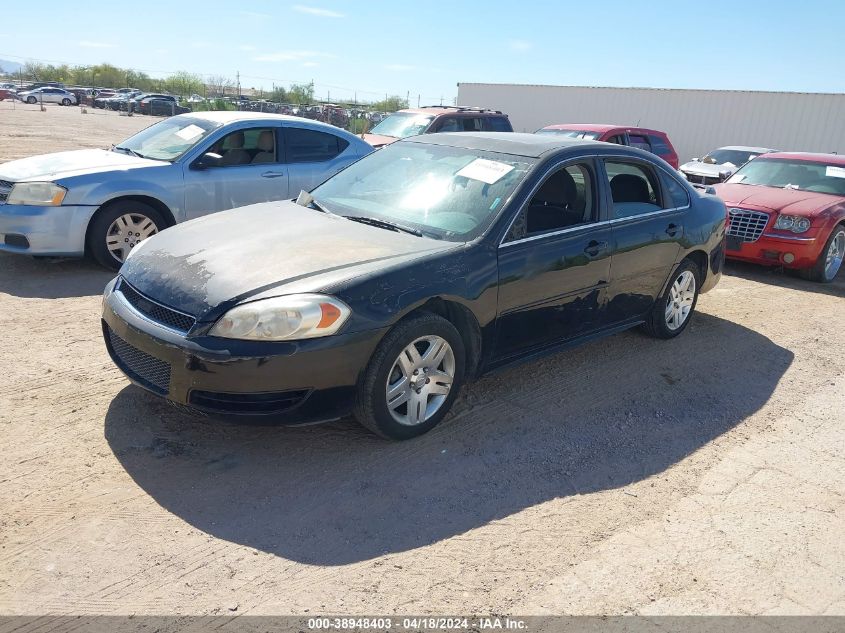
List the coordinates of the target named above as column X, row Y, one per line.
column 425, row 48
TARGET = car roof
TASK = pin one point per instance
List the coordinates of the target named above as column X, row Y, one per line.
column 833, row 159
column 516, row 143
column 437, row 110
column 234, row 116
column 745, row 148
column 598, row 127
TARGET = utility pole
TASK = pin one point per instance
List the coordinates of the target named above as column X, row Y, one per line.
column 408, row 99
column 418, row 101
column 238, row 75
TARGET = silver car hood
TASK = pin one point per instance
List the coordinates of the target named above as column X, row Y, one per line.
column 707, row 169
column 50, row 167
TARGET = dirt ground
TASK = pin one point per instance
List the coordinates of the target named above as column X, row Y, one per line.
column 700, row 475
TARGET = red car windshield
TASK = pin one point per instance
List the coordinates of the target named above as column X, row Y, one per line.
column 792, row 174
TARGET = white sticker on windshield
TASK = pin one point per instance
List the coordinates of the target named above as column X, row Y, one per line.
column 489, row 171
column 835, row 172
column 190, row 132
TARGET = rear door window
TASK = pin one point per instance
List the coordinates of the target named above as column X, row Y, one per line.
column 640, row 141
column 633, row 187
column 676, row 194
column 497, row 124
column 658, row 145
column 311, row 146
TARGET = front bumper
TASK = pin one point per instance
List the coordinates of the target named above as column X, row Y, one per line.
column 797, row 252
column 295, row 382
column 57, row 231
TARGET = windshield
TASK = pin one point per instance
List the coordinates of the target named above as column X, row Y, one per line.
column 590, row 136
column 448, row 193
column 403, row 124
column 169, row 139
column 794, row 174
column 733, row 156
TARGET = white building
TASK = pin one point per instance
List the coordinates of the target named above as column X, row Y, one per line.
column 696, row 121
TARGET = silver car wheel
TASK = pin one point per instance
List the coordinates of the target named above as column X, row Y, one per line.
column 420, row 380
column 681, row 298
column 835, row 255
column 126, row 232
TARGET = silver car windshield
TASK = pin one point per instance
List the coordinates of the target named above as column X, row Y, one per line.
column 732, row 156
column 449, row 193
column 169, row 139
column 403, row 124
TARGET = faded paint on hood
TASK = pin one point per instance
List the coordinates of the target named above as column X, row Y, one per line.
column 266, row 249
column 791, row 201
column 51, row 167
column 710, row 170
column 379, row 140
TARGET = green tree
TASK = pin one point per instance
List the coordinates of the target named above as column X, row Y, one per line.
column 391, row 104
column 301, row 93
column 185, row 84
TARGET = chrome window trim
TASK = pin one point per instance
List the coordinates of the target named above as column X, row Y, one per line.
column 578, row 227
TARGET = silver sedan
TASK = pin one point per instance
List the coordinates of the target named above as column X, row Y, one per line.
column 48, row 95
column 104, row 202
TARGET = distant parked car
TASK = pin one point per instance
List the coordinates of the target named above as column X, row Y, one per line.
column 6, row 93
column 431, row 119
column 8, row 86
column 720, row 164
column 195, row 98
column 653, row 141
column 788, row 209
column 180, row 168
column 48, row 95
column 143, row 102
column 420, row 267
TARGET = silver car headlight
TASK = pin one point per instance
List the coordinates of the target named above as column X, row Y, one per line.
column 39, row 194
column 794, row 223
column 287, row 318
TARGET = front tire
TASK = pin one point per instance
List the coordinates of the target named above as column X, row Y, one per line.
column 31, row 100
column 118, row 228
column 412, row 379
column 65, row 102
column 831, row 258
column 673, row 310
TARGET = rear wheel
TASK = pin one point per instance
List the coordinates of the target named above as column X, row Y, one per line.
column 118, row 228
column 65, row 101
column 412, row 378
column 31, row 100
column 831, row 258
column 673, row 310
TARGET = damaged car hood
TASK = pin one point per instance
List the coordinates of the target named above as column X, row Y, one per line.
column 51, row 167
column 267, row 249
column 793, row 201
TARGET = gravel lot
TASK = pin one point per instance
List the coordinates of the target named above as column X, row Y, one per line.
column 700, row 475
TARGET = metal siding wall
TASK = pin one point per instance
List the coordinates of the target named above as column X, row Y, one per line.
column 697, row 121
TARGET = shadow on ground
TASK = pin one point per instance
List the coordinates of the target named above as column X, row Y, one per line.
column 28, row 277
column 591, row 419
column 785, row 278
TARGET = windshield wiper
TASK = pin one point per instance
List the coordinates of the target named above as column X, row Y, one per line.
column 305, row 199
column 128, row 151
column 384, row 224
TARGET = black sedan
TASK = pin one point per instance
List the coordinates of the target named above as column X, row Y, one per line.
column 418, row 268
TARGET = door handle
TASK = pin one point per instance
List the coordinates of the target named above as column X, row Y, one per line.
column 272, row 174
column 673, row 229
column 594, row 248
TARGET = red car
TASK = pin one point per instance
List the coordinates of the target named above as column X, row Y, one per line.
column 653, row 141
column 788, row 209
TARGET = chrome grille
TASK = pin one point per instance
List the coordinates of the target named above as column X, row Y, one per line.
column 155, row 311
column 152, row 373
column 747, row 225
column 5, row 189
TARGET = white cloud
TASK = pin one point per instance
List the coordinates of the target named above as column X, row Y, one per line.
column 247, row 47
column 399, row 67
column 253, row 14
column 520, row 45
column 322, row 13
column 90, row 44
column 200, row 44
column 310, row 65
column 291, row 56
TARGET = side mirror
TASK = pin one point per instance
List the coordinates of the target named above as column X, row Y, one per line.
column 695, row 160
column 209, row 159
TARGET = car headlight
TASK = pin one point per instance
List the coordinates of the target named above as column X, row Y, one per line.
column 41, row 194
column 287, row 318
column 794, row 223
